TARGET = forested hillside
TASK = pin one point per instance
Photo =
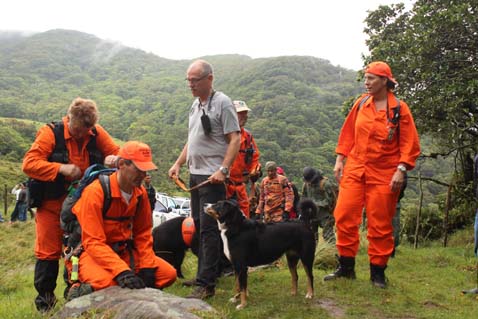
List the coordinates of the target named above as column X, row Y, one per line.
column 296, row 101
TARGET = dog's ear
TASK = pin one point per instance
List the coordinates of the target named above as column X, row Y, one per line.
column 231, row 202
column 308, row 209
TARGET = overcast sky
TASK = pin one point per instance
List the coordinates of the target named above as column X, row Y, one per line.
column 186, row 29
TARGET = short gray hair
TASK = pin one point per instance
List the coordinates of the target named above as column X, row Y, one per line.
column 205, row 66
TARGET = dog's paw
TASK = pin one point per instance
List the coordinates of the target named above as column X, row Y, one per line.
column 309, row 296
column 240, row 306
column 233, row 299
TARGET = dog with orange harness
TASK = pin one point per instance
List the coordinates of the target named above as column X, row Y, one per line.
column 172, row 238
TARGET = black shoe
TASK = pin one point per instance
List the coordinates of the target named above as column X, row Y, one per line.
column 190, row 283
column 45, row 302
column 377, row 276
column 346, row 269
column 202, row 292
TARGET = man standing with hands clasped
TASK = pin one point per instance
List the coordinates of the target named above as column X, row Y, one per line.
column 213, row 143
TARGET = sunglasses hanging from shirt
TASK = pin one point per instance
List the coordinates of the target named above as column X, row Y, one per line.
column 205, row 120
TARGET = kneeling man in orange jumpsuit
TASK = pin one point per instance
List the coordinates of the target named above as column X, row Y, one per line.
column 380, row 142
column 118, row 247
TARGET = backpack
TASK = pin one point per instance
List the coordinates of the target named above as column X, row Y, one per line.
column 68, row 220
column 249, row 150
column 40, row 190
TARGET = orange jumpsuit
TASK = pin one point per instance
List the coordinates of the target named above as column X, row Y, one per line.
column 276, row 197
column 240, row 170
column 372, row 159
column 98, row 263
column 48, row 241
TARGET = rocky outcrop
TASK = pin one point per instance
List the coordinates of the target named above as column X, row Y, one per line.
column 117, row 303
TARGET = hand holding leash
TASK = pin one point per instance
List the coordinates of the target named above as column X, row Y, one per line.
column 180, row 183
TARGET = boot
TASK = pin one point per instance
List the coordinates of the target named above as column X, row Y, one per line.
column 346, row 269
column 46, row 272
column 377, row 276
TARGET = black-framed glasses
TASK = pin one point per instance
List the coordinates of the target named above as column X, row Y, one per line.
column 196, row 80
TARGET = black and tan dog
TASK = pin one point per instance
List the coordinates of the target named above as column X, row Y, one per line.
column 172, row 238
column 253, row 243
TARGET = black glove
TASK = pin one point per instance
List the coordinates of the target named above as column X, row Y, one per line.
column 285, row 216
column 148, row 275
column 127, row 279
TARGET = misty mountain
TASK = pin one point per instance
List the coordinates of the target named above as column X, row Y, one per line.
column 296, row 101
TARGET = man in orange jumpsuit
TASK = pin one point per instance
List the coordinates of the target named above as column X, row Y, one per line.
column 276, row 197
column 246, row 165
column 118, row 247
column 53, row 167
column 380, row 141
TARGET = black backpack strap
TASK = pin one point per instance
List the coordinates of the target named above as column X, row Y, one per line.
column 60, row 153
column 105, row 185
column 95, row 156
column 362, row 102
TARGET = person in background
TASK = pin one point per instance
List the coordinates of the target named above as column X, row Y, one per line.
column 150, row 190
column 55, row 168
column 276, row 197
column 20, row 210
column 295, row 192
column 246, row 165
column 213, row 143
column 118, row 247
column 319, row 189
column 380, row 142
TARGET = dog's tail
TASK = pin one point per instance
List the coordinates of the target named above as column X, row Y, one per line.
column 308, row 210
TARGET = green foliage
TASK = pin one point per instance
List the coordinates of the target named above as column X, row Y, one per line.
column 295, row 100
column 432, row 52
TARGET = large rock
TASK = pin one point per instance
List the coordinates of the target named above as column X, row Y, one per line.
column 148, row 303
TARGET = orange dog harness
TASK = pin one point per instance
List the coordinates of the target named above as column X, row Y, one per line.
column 188, row 229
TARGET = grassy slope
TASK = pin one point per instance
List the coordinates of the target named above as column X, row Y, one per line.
column 423, row 283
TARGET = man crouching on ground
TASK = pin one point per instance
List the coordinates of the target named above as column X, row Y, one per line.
column 118, row 247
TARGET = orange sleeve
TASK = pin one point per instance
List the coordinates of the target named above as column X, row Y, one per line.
column 35, row 162
column 105, row 142
column 288, row 194
column 347, row 133
column 409, row 142
column 260, row 205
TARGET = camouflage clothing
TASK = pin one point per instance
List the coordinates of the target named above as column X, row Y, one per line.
column 276, row 197
column 323, row 193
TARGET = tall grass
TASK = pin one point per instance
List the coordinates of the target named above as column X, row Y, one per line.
column 423, row 283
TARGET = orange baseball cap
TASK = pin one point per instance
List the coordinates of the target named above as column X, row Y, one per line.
column 381, row 69
column 139, row 153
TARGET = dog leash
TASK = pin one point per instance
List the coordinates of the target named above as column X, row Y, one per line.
column 180, row 183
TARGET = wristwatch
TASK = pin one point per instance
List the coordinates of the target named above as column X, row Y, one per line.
column 402, row 168
column 224, row 170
